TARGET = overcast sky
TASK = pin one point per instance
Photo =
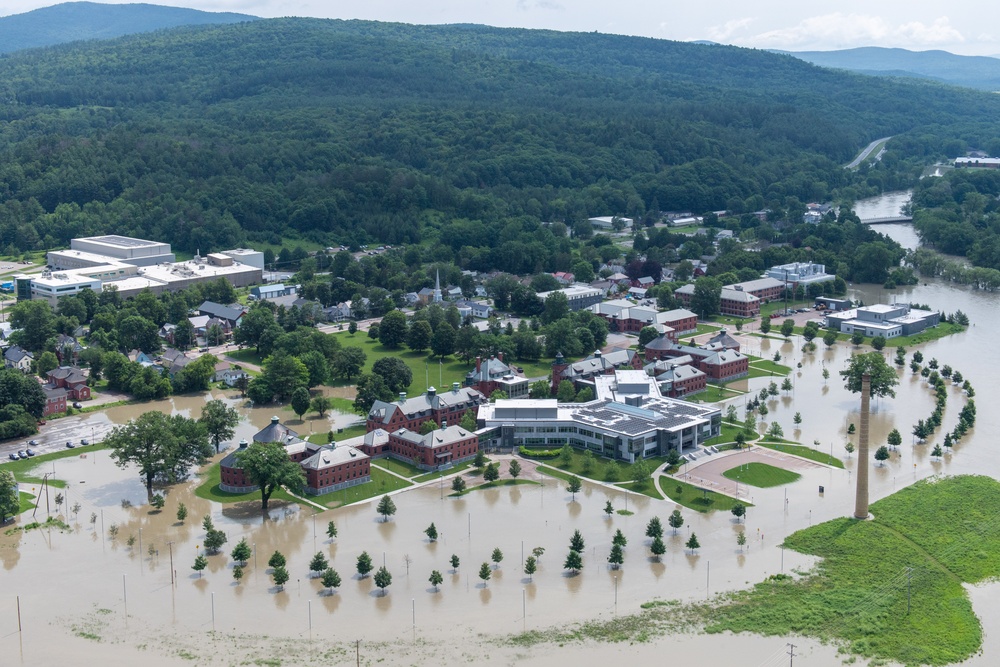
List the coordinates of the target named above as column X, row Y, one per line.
column 965, row 27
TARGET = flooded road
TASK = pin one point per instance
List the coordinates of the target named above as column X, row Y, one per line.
column 74, row 586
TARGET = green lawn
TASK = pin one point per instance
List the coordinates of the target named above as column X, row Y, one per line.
column 248, row 355
column 702, row 328
column 24, row 469
column 209, row 489
column 501, row 482
column 552, row 472
column 694, row 497
column 25, row 502
column 761, row 475
column 768, row 367
column 728, row 434
column 349, row 432
column 889, row 589
column 426, row 477
column 713, row 393
column 382, row 483
column 646, row 488
column 403, row 468
column 934, row 333
column 599, row 465
column 804, row 452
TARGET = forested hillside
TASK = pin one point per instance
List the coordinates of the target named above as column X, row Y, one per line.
column 348, row 132
column 72, row 21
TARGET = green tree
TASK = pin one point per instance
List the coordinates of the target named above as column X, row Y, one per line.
column 331, row 530
column 219, row 421
column 616, row 557
column 349, row 362
column 883, row 377
column 33, row 323
column 394, row 371
column 330, row 579
column 241, row 553
column 371, row 388
column 878, row 342
column 200, row 563
column 9, row 500
column 182, row 512
column 857, row 338
column 496, row 557
column 428, row 426
column 707, row 296
column 797, row 419
column 419, row 336
column 46, row 362
column 443, row 340
column 936, row 452
column 566, row 392
column 765, row 325
column 882, row 454
column 280, row 576
column 619, row 539
column 612, row 471
column 392, row 329
column 364, row 564
column 491, row 473
column 657, row 548
column 318, row 563
column 320, row 405
column 468, row 421
column 895, row 439
column 266, row 465
column 540, row 389
column 386, row 507
column 641, row 472
column 431, row 532
column 485, row 572
column 157, row 501
column 646, row 334
column 454, row 562
column 654, row 528
column 830, row 338
column 214, row 540
column 608, row 508
column 514, row 468
column 573, row 562
column 237, row 571
column 849, row 446
column 530, row 567
column 435, row 579
column 159, row 447
column 739, row 510
column 787, row 327
column 300, row 401
column 741, row 539
column 283, row 374
column 676, row 520
column 574, row 485
column 566, row 454
column 576, row 541
column 480, row 459
column 692, row 542
column 458, row 485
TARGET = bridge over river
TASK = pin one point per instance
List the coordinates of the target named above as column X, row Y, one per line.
column 895, row 219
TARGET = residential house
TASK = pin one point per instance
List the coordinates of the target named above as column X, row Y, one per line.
column 68, row 349
column 564, row 277
column 140, row 357
column 55, row 400
column 338, row 313
column 493, row 374
column 17, row 357
column 224, row 372
column 231, row 314
column 72, row 379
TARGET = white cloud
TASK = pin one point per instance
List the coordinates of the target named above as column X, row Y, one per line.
column 528, row 5
column 839, row 30
column 725, row 32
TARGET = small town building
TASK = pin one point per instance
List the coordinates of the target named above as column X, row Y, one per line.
column 411, row 413
column 493, row 374
column 886, row 320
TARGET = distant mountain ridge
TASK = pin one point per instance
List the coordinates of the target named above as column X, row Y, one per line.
column 74, row 21
column 980, row 72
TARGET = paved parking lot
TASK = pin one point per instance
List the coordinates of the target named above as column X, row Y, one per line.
column 708, row 474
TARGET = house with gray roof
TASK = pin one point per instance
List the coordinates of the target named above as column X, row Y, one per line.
column 231, row 314
column 446, row 407
column 17, row 357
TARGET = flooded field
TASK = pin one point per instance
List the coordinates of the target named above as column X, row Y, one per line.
column 75, row 587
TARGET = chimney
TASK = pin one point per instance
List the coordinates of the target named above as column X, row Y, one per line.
column 861, row 501
column 479, row 364
column 500, row 356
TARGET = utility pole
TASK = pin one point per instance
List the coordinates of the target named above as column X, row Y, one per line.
column 791, row 654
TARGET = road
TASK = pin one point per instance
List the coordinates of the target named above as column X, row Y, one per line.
column 56, row 433
column 865, row 153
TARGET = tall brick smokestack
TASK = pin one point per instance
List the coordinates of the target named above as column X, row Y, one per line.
column 861, row 502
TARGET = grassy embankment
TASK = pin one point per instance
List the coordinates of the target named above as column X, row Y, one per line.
column 800, row 450
column 761, row 475
column 694, row 497
column 889, row 589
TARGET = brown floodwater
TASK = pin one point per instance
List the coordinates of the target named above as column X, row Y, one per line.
column 73, row 586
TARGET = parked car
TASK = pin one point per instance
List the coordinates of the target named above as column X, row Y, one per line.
column 85, row 442
column 22, row 454
column 29, row 452
column 33, row 443
column 69, row 445
column 12, row 456
column 78, row 405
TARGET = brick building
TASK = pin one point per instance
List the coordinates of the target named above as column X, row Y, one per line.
column 411, row 413
column 582, row 373
column 493, row 374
